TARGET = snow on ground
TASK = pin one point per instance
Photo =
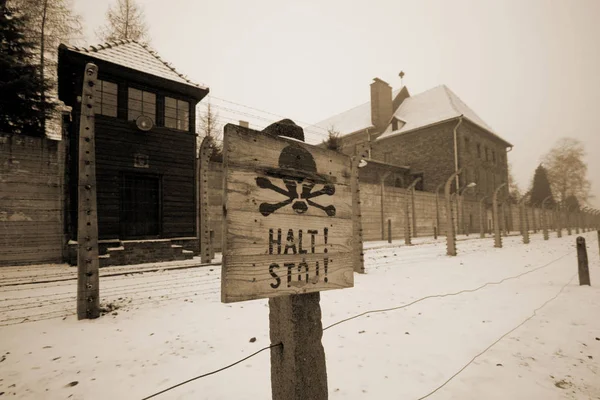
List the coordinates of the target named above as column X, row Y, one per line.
column 172, row 327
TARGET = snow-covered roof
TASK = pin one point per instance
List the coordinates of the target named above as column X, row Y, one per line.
column 136, row 56
column 433, row 106
column 354, row 120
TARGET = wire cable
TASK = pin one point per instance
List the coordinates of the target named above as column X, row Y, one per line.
column 433, row 296
column 212, row 372
column 499, row 339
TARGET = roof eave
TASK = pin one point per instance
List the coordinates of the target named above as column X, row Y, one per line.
column 508, row 144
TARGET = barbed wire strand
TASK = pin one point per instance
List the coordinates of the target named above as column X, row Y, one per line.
column 433, row 296
column 499, row 339
column 213, row 372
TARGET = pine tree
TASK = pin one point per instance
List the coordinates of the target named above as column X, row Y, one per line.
column 22, row 106
column 541, row 187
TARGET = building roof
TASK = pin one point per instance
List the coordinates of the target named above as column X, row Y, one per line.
column 354, row 120
column 136, row 56
column 434, row 106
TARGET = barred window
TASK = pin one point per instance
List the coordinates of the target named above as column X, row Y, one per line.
column 141, row 103
column 177, row 114
column 106, row 98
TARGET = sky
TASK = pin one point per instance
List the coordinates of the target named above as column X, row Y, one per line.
column 530, row 69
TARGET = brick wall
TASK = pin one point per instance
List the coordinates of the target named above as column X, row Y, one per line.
column 429, row 150
column 31, row 200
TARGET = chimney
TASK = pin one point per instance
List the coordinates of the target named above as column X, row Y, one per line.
column 244, row 124
column 381, row 103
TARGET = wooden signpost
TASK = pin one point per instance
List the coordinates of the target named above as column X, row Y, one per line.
column 288, row 224
column 88, row 291
column 289, row 233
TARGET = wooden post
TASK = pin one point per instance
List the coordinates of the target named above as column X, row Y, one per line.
column 582, row 262
column 450, row 232
column 298, row 367
column 206, row 149
column 389, row 231
column 88, row 281
column 497, row 236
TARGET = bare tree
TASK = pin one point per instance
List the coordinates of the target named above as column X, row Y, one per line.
column 208, row 125
column 50, row 23
column 567, row 171
column 125, row 20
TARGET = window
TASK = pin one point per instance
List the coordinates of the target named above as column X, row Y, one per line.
column 493, row 156
column 141, row 103
column 177, row 114
column 106, row 98
column 467, row 145
column 487, row 154
column 478, row 150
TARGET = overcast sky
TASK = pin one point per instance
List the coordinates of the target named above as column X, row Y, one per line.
column 529, row 68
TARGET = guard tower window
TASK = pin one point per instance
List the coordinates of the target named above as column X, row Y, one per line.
column 106, row 98
column 141, row 103
column 177, row 114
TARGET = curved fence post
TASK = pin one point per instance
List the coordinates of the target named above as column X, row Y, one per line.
column 497, row 236
column 545, row 218
column 482, row 217
column 407, row 228
column 524, row 220
column 450, row 233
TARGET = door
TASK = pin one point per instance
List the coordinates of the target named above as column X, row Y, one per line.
column 140, row 206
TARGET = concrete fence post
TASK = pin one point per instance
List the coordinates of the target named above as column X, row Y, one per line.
column 524, row 223
column 482, row 217
column 568, row 219
column 407, row 228
column 437, row 207
column 389, row 231
column 582, row 262
column 558, row 221
column 382, row 179
column 450, row 232
column 545, row 218
column 495, row 211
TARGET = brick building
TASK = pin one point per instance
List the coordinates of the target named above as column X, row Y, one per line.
column 418, row 132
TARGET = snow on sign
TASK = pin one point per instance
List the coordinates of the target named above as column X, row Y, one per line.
column 287, row 217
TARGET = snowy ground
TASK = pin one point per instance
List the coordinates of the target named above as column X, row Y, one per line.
column 171, row 327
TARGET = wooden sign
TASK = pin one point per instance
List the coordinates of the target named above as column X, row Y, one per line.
column 288, row 217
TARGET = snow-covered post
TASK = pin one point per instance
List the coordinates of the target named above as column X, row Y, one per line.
column 407, row 231
column 450, row 233
column 482, row 218
column 88, row 264
column 545, row 217
column 524, row 220
column 582, row 262
column 497, row 236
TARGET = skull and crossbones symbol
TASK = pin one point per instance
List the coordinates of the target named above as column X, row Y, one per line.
column 294, row 164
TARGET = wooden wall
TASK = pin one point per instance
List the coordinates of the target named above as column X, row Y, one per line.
column 171, row 156
column 31, row 200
